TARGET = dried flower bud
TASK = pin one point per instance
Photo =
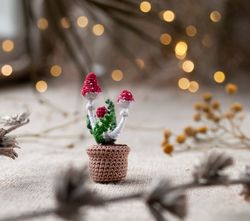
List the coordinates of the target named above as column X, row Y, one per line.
column 236, row 107
column 231, row 88
column 246, row 187
column 164, row 142
column 181, row 138
column 216, row 119
column 198, row 106
column 210, row 168
column 202, row 130
column 216, row 105
column 207, row 97
column 190, row 131
column 160, row 199
column 229, row 115
column 167, row 134
column 168, row 148
column 206, row 109
column 197, row 117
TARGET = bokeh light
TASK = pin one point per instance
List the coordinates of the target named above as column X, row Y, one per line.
column 98, row 29
column 117, row 75
column 82, row 21
column 56, row 70
column 6, row 70
column 183, row 83
column 188, row 66
column 42, row 23
column 215, row 16
column 207, row 41
column 181, row 48
column 41, row 86
column 168, row 16
column 140, row 63
column 145, row 6
column 191, row 31
column 219, row 77
column 65, row 23
column 193, row 86
column 165, row 39
column 8, row 45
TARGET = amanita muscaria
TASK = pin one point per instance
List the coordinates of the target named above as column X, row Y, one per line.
column 102, row 122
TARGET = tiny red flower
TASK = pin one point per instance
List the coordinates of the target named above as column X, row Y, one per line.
column 101, row 111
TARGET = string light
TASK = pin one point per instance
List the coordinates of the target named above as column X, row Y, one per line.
column 183, row 83
column 168, row 16
column 82, row 21
column 219, row 77
column 215, row 16
column 65, row 23
column 207, row 41
column 188, row 66
column 140, row 63
column 42, row 23
column 7, row 45
column 56, row 70
column 165, row 39
column 145, row 6
column 117, row 75
column 181, row 48
column 6, row 70
column 191, row 31
column 193, row 86
column 98, row 29
column 41, row 86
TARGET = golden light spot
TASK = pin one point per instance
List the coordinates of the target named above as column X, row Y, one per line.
column 82, row 21
column 6, row 70
column 215, row 16
column 181, row 57
column 41, row 86
column 98, row 29
column 165, row 39
column 145, row 6
column 194, row 86
column 183, row 83
column 42, row 23
column 56, row 70
column 188, row 66
column 181, row 48
column 168, row 16
column 207, row 41
column 191, row 30
column 65, row 23
column 117, row 75
column 219, row 77
column 140, row 63
column 8, row 45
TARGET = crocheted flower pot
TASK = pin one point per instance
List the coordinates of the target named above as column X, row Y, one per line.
column 108, row 163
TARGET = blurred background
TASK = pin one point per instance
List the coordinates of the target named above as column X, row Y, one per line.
column 182, row 44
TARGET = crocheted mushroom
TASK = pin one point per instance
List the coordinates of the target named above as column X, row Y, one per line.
column 101, row 111
column 125, row 98
column 90, row 88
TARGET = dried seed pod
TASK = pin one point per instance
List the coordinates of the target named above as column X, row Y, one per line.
column 231, row 88
column 236, row 107
column 181, row 138
column 207, row 97
column 190, row 131
column 197, row 117
column 168, row 148
column 215, row 105
column 202, row 130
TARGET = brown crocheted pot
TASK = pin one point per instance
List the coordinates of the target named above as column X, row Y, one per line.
column 108, row 163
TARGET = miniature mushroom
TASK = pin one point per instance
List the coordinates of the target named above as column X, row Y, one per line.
column 125, row 98
column 90, row 91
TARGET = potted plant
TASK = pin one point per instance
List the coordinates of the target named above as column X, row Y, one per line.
column 108, row 161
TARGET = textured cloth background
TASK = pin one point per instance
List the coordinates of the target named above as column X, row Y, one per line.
column 27, row 183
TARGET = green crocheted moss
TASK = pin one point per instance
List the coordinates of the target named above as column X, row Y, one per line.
column 105, row 124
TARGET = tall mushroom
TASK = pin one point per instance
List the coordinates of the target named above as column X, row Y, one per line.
column 90, row 91
column 124, row 100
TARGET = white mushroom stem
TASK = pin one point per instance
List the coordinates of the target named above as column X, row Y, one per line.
column 114, row 134
column 90, row 109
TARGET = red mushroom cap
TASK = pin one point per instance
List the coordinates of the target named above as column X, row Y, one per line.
column 125, row 95
column 101, row 111
column 90, row 84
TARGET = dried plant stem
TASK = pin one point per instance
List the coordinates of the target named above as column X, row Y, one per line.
column 15, row 127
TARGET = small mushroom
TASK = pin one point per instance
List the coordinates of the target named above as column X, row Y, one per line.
column 125, row 98
column 101, row 111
